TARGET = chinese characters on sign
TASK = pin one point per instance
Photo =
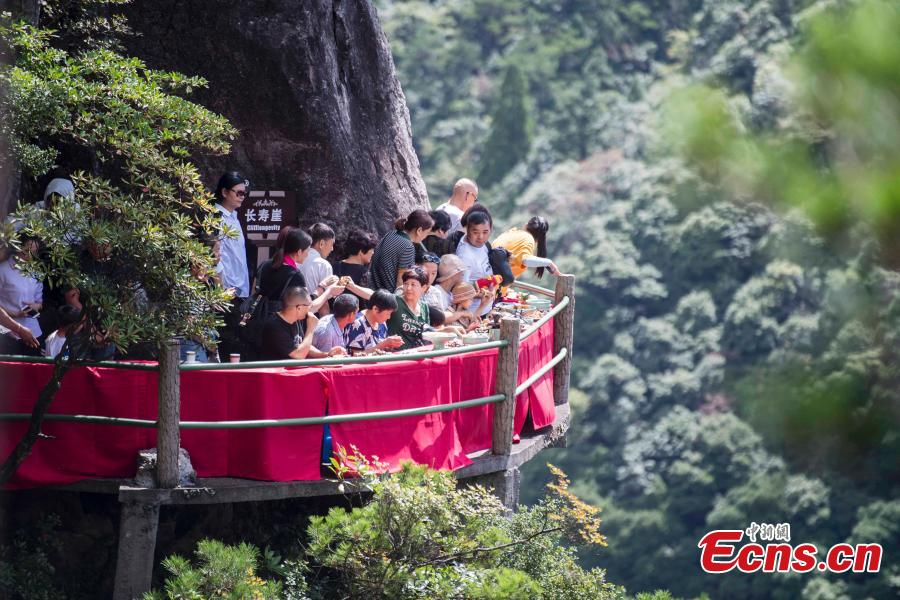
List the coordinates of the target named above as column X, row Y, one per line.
column 266, row 212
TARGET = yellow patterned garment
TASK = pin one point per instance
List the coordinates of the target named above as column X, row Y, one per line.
column 520, row 244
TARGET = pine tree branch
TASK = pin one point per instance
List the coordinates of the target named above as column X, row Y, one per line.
column 452, row 557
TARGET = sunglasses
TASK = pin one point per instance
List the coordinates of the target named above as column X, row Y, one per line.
column 432, row 258
column 239, row 193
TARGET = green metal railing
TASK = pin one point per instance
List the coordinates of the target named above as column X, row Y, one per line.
column 335, row 361
column 540, row 322
column 255, row 424
column 109, row 364
column 541, row 372
column 535, row 289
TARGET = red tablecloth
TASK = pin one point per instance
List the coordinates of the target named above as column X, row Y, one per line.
column 78, row 451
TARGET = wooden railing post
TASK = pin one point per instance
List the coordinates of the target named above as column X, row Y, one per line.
column 507, row 379
column 563, row 332
column 168, row 436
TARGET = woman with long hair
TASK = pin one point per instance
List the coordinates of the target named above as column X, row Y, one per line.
column 528, row 247
column 284, row 271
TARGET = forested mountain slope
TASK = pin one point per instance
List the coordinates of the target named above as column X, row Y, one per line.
column 731, row 365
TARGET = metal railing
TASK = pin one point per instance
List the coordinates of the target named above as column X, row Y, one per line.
column 507, row 390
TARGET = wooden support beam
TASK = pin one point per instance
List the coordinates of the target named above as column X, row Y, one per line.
column 504, row 484
column 137, row 542
column 507, row 375
column 563, row 334
column 168, row 434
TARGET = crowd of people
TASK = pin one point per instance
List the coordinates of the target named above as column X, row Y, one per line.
column 437, row 270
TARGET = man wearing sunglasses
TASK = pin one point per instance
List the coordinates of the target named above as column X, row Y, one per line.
column 465, row 194
column 230, row 194
column 288, row 334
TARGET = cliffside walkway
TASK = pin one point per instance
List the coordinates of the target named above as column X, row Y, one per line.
column 473, row 436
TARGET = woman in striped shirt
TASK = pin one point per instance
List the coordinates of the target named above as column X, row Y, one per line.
column 396, row 252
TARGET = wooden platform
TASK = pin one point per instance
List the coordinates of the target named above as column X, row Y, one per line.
column 221, row 490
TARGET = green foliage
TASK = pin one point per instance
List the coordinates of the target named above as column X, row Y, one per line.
column 222, row 573
column 840, row 91
column 733, row 364
column 510, row 136
column 422, row 537
column 129, row 239
column 417, row 536
column 26, row 568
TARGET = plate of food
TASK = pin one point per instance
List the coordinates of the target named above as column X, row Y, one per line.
column 438, row 338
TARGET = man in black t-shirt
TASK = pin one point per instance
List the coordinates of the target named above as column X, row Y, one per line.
column 283, row 337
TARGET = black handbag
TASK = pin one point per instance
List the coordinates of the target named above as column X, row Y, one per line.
column 255, row 311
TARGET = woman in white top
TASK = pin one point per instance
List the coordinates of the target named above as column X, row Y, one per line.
column 473, row 249
column 21, row 295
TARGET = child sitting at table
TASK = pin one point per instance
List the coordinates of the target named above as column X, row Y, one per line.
column 463, row 296
column 439, row 322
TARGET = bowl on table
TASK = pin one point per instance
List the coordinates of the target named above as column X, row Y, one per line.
column 539, row 303
column 438, row 338
column 473, row 338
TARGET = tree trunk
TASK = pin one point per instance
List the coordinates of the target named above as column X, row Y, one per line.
column 45, row 398
column 311, row 86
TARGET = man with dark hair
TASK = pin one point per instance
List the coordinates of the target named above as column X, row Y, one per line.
column 316, row 268
column 69, row 319
column 369, row 331
column 283, row 337
column 329, row 334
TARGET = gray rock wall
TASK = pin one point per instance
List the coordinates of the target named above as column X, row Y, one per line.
column 311, row 86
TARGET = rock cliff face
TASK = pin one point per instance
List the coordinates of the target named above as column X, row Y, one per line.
column 310, row 85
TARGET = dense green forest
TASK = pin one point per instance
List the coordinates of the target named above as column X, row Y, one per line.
column 735, row 362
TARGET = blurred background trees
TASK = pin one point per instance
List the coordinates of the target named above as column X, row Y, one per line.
column 722, row 177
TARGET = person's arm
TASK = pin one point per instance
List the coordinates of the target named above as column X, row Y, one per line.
column 330, row 292
column 361, row 291
column 487, row 303
column 454, row 316
column 406, row 261
column 324, row 282
column 537, row 261
column 20, row 330
column 391, row 342
column 301, row 351
column 336, row 351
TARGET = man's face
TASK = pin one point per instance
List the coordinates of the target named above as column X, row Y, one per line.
column 324, row 247
column 478, row 233
column 299, row 308
column 381, row 316
column 367, row 257
column 233, row 198
column 343, row 322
